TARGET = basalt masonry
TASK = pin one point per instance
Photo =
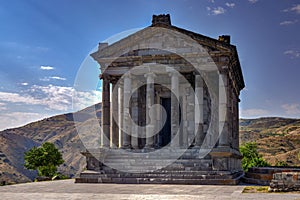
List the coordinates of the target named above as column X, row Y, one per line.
column 285, row 182
column 169, row 109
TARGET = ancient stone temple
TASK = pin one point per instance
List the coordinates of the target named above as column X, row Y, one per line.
column 169, row 109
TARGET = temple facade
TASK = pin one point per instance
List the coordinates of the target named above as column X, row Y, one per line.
column 170, row 100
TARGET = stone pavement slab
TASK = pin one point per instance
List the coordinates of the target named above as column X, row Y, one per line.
column 67, row 189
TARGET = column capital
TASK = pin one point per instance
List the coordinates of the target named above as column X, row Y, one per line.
column 150, row 75
column 127, row 75
column 104, row 76
column 173, row 73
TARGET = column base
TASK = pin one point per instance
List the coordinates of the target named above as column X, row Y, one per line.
column 127, row 146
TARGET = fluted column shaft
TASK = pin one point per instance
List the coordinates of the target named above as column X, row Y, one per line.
column 105, row 136
column 150, row 115
column 223, row 109
column 120, row 115
column 199, row 133
column 174, row 109
column 126, row 113
column 114, row 141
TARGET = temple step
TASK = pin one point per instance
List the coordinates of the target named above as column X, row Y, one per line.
column 179, row 177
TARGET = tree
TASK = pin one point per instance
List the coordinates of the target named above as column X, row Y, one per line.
column 251, row 157
column 45, row 159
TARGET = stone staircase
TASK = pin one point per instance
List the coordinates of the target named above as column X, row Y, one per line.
column 140, row 169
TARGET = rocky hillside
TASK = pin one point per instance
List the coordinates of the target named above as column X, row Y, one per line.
column 278, row 139
column 59, row 130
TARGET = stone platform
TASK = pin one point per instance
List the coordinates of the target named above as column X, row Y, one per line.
column 66, row 189
column 109, row 166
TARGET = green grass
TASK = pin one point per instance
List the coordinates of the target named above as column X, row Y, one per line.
column 256, row 189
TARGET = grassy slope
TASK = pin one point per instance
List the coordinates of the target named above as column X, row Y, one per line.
column 278, row 139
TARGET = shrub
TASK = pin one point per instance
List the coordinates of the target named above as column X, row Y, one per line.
column 44, row 159
column 251, row 157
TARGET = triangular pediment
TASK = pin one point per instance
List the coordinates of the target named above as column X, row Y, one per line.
column 164, row 38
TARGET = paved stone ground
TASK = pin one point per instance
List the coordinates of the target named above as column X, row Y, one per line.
column 67, row 189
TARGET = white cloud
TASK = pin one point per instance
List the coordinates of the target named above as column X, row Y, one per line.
column 2, row 106
column 288, row 22
column 292, row 53
column 24, row 83
column 38, row 102
column 295, row 8
column 16, row 119
column 58, row 78
column 250, row 113
column 230, row 5
column 51, row 97
column 253, row 1
column 291, row 109
column 46, row 68
column 17, row 98
column 45, row 79
column 216, row 11
column 48, row 78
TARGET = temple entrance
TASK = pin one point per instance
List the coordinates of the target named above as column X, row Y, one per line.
column 165, row 133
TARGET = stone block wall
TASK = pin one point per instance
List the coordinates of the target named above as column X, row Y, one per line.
column 285, row 182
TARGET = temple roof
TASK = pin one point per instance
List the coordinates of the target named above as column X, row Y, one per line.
column 137, row 40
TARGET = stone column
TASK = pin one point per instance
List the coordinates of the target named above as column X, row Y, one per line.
column 199, row 133
column 235, row 122
column 157, row 127
column 223, row 110
column 174, row 109
column 114, row 135
column 121, row 114
column 105, row 136
column 184, row 123
column 150, row 115
column 135, row 118
column 237, row 145
column 126, row 113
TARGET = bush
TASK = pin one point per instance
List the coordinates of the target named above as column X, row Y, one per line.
column 44, row 159
column 251, row 157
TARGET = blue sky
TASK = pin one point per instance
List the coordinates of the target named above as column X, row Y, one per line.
column 43, row 45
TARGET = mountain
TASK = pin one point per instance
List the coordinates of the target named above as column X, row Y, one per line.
column 60, row 130
column 278, row 139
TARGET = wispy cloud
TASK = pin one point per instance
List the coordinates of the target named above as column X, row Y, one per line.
column 295, row 8
column 253, row 1
column 291, row 109
column 288, row 22
column 230, row 5
column 52, row 97
column 40, row 102
column 250, row 113
column 48, row 78
column 15, row 119
column 58, row 78
column 292, row 53
column 216, row 11
column 46, row 67
column 2, row 106
column 24, row 83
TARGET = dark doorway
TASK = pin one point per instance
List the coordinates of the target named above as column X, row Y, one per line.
column 165, row 133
